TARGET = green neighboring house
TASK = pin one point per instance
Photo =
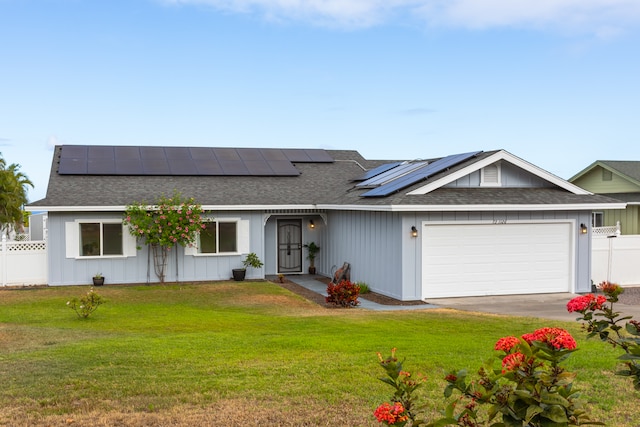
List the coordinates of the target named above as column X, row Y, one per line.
column 619, row 180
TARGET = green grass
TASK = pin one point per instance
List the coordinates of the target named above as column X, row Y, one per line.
column 162, row 349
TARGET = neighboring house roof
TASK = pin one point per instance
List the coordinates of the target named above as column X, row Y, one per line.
column 324, row 184
column 627, row 169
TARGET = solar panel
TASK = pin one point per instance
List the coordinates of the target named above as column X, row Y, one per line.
column 103, row 166
column 234, row 167
column 73, row 160
column 182, row 166
column 377, row 171
column 207, row 167
column 392, row 174
column 283, row 168
column 303, row 155
column 72, row 166
column 258, row 167
column 184, row 161
column 420, row 174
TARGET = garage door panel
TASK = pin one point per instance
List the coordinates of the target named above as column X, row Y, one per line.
column 489, row 259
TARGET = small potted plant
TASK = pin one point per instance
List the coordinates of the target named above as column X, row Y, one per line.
column 98, row 279
column 251, row 260
column 312, row 252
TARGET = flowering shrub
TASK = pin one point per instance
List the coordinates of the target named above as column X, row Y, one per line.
column 529, row 389
column 401, row 411
column 391, row 414
column 171, row 221
column 343, row 293
column 602, row 321
column 86, row 304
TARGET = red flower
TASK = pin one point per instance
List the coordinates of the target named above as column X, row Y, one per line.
column 512, row 361
column 506, row 344
column 451, row 378
column 555, row 337
column 390, row 414
column 585, row 303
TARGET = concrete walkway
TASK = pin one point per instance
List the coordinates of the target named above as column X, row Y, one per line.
column 311, row 283
column 546, row 306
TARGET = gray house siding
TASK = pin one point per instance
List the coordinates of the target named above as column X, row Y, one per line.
column 510, row 176
column 65, row 270
column 382, row 253
column 371, row 243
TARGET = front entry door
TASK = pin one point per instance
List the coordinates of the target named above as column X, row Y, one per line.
column 289, row 246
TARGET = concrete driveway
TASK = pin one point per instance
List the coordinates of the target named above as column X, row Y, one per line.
column 546, row 306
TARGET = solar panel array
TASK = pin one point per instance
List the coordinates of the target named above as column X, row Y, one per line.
column 419, row 174
column 194, row 161
column 377, row 171
column 392, row 174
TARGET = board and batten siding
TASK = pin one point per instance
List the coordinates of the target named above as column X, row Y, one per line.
column 629, row 219
column 371, row 243
column 382, row 253
column 510, row 176
column 133, row 268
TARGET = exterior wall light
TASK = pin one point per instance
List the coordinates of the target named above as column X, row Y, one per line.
column 583, row 228
column 311, row 224
column 414, row 231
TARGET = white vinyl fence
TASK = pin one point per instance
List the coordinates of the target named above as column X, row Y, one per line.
column 23, row 263
column 616, row 258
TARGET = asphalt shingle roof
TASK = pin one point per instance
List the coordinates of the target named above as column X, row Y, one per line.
column 317, row 184
column 626, row 167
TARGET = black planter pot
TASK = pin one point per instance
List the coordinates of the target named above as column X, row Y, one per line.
column 238, row 274
column 98, row 281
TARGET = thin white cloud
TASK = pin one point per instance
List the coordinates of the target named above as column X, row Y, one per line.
column 52, row 141
column 605, row 18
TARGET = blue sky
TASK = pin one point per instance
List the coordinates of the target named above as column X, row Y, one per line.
column 556, row 82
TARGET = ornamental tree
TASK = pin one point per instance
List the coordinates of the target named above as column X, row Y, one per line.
column 13, row 195
column 164, row 224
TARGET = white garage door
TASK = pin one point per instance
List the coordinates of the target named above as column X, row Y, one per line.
column 496, row 259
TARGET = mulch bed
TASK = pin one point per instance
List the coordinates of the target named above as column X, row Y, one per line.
column 320, row 299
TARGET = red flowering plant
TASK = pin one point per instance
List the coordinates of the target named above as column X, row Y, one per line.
column 168, row 222
column 344, row 293
column 530, row 388
column 603, row 321
column 402, row 411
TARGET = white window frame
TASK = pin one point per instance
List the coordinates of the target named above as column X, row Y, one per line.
column 72, row 239
column 497, row 181
column 242, row 239
column 594, row 216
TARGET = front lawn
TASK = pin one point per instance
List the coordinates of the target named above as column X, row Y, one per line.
column 244, row 353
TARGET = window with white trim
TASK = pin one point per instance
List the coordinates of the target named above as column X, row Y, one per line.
column 597, row 219
column 490, row 175
column 218, row 237
column 98, row 238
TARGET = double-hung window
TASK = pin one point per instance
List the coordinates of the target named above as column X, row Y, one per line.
column 597, row 219
column 219, row 237
column 98, row 238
